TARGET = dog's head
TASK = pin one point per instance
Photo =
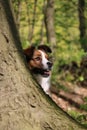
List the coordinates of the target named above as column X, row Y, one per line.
column 38, row 60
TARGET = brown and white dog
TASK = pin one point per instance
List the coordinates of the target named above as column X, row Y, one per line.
column 40, row 65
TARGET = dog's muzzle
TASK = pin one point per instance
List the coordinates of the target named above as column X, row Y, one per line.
column 43, row 72
column 47, row 72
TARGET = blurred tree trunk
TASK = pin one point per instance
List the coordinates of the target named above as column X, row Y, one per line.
column 29, row 20
column 17, row 10
column 18, row 14
column 23, row 106
column 42, row 32
column 31, row 32
column 82, row 24
column 49, row 23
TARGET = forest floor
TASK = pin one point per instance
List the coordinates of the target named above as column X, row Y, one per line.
column 74, row 99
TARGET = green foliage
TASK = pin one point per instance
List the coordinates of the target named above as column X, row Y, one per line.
column 73, row 113
column 65, row 54
column 68, row 53
column 81, row 78
column 81, row 118
column 25, row 44
column 85, row 99
column 83, row 107
column 66, row 21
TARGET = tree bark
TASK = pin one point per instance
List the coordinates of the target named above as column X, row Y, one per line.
column 23, row 105
column 82, row 24
column 49, row 23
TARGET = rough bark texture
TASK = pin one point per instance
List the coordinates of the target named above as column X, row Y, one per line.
column 23, row 105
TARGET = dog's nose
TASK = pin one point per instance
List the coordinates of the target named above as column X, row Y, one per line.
column 49, row 64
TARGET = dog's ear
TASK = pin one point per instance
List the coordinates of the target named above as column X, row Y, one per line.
column 29, row 52
column 45, row 48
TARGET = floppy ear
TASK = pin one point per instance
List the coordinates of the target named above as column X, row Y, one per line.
column 29, row 53
column 45, row 48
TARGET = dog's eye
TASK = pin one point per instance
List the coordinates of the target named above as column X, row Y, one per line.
column 37, row 58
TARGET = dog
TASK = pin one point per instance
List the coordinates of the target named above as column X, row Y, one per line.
column 40, row 65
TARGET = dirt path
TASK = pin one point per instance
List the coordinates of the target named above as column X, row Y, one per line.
column 71, row 99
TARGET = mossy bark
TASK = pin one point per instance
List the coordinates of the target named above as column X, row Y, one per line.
column 23, row 105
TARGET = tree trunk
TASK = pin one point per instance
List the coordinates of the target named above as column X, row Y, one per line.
column 18, row 14
column 17, row 10
column 31, row 32
column 42, row 32
column 49, row 23
column 29, row 21
column 23, row 105
column 82, row 24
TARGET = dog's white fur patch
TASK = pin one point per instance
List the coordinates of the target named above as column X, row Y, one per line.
column 44, row 60
column 44, row 81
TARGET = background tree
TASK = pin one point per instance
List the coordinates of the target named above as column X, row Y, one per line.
column 22, row 103
column 82, row 23
column 49, row 23
column 17, row 11
column 31, row 32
